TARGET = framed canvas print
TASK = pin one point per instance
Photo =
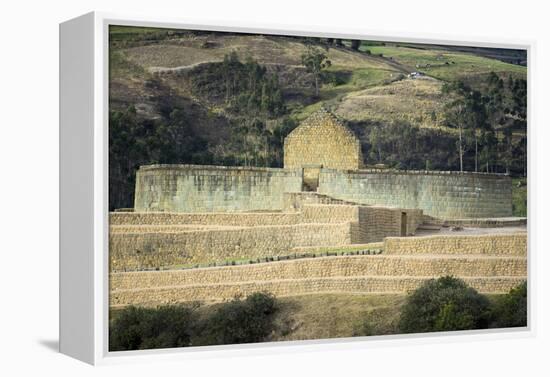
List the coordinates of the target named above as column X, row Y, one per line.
column 251, row 188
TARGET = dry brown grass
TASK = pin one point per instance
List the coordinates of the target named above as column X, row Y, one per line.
column 412, row 101
column 266, row 50
column 324, row 316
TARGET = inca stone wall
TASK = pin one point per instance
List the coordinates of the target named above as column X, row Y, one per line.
column 359, row 274
column 438, row 194
column 200, row 188
column 353, row 285
column 294, row 201
column 144, row 249
column 156, row 240
column 328, row 267
column 204, row 219
column 322, row 141
column 487, row 244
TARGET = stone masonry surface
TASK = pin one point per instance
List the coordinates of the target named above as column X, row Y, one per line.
column 329, row 267
column 352, row 285
column 486, row 244
column 445, row 195
column 199, row 188
column 322, row 141
column 143, row 250
column 158, row 240
column 489, row 263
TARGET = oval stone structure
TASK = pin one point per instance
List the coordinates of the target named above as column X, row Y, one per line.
column 324, row 157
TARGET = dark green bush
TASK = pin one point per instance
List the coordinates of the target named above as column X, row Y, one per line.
column 510, row 310
column 144, row 328
column 444, row 304
column 240, row 321
column 336, row 77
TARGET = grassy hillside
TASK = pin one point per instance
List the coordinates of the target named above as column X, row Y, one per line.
column 328, row 316
column 445, row 65
column 418, row 102
column 325, row 316
column 360, row 85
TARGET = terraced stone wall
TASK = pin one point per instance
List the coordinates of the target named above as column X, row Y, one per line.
column 143, row 249
column 486, row 244
column 158, row 240
column 350, row 274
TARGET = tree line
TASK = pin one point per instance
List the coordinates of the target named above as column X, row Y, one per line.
column 242, row 87
column 491, row 124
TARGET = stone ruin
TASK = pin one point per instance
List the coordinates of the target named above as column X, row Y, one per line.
column 322, row 223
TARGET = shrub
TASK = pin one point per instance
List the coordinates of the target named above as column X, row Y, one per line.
column 144, row 328
column 237, row 321
column 240, row 321
column 510, row 310
column 444, row 304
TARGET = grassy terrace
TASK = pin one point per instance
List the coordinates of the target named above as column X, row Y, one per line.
column 298, row 253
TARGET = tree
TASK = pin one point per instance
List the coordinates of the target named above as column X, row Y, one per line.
column 510, row 310
column 506, row 106
column 444, row 304
column 375, row 140
column 466, row 113
column 488, row 154
column 240, row 321
column 506, row 149
column 455, row 114
column 315, row 61
column 146, row 328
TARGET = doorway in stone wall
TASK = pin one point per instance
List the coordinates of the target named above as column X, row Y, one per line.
column 310, row 175
column 403, row 224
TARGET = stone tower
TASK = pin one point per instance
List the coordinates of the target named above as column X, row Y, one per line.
column 321, row 141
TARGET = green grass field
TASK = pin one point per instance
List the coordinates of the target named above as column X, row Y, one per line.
column 445, row 65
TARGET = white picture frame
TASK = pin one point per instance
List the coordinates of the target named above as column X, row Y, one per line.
column 84, row 192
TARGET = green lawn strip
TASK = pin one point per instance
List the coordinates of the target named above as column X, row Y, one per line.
column 302, row 253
